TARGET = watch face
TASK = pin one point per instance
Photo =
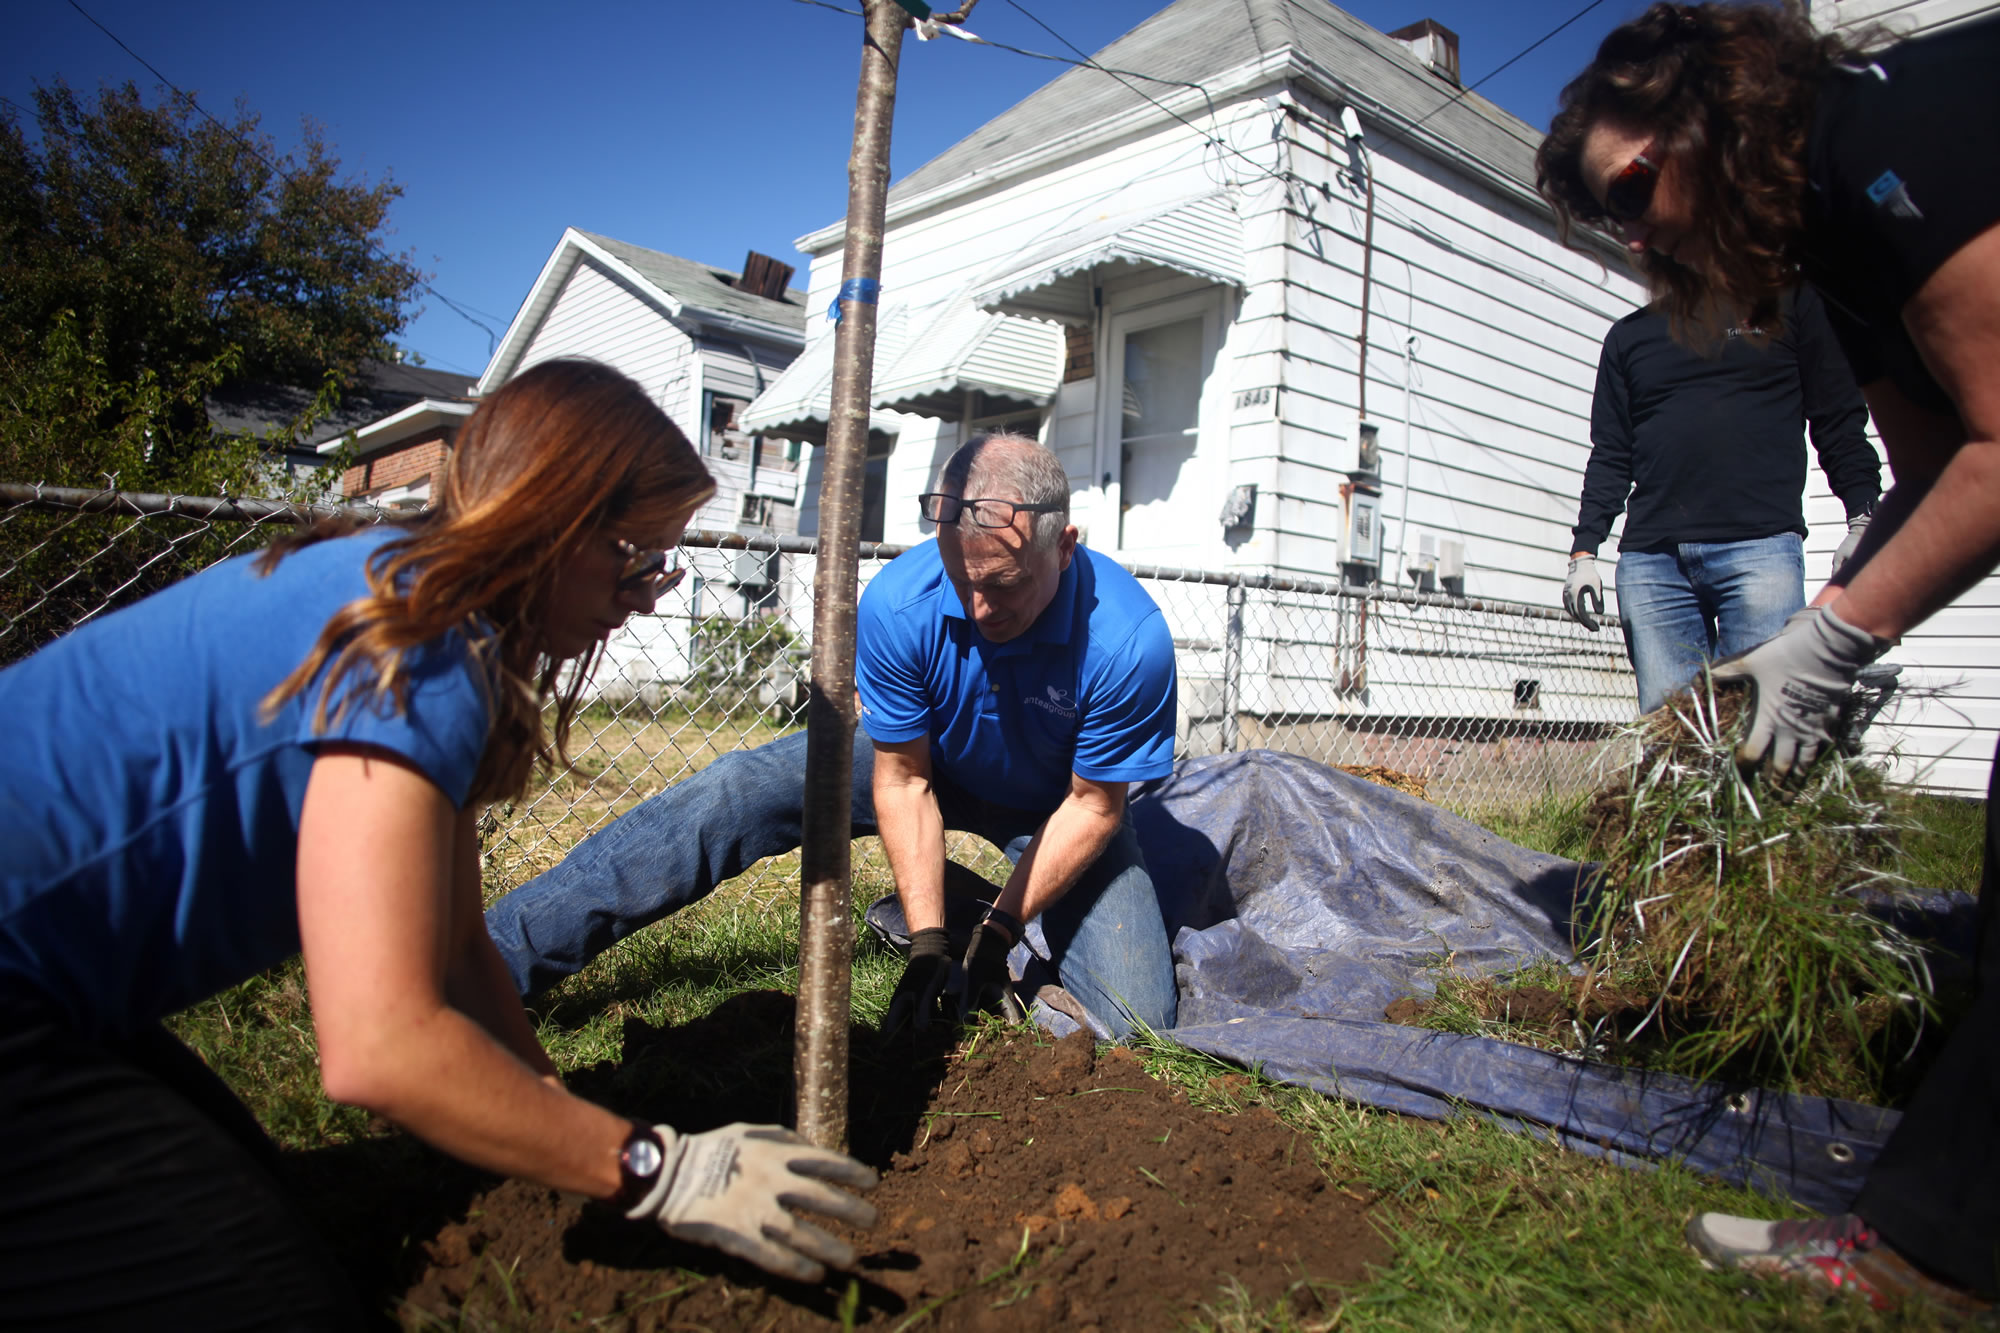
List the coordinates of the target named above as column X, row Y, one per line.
column 642, row 1157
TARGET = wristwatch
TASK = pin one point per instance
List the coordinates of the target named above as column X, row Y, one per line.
column 639, row 1164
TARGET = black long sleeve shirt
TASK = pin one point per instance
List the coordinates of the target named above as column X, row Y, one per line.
column 1712, row 449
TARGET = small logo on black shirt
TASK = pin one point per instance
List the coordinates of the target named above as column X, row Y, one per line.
column 1889, row 192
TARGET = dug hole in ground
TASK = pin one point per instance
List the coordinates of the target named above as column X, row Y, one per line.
column 1027, row 1183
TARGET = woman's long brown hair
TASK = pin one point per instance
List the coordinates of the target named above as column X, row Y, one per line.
column 1727, row 92
column 553, row 459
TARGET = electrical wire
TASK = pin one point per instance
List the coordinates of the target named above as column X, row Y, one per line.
column 1088, row 62
column 1460, row 94
column 374, row 246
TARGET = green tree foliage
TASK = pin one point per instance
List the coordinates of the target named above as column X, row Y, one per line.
column 149, row 255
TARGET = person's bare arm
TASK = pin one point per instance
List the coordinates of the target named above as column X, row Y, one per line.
column 1063, row 848
column 478, row 983
column 1952, row 537
column 912, row 830
column 384, row 930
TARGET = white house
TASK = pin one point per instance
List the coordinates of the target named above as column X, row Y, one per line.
column 703, row 342
column 1289, row 306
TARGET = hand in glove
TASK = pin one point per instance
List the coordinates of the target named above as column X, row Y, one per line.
column 1855, row 527
column 1798, row 679
column 1583, row 592
column 918, row 994
column 988, row 986
column 736, row 1188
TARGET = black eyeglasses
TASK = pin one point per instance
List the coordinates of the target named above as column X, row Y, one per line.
column 943, row 510
column 1630, row 192
column 650, row 572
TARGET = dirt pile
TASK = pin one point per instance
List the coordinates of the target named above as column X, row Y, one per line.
column 1027, row 1184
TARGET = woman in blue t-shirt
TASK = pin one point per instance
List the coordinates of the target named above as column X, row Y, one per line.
column 1734, row 148
column 289, row 754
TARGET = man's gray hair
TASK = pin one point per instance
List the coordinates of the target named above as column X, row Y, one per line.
column 1007, row 466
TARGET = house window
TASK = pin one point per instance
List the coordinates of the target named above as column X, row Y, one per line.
column 723, row 437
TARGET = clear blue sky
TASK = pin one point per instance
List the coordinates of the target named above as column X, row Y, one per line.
column 701, row 129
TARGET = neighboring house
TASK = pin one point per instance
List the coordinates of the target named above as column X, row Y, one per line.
column 1294, row 310
column 384, row 389
column 703, row 342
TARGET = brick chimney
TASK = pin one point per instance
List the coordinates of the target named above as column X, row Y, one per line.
column 1435, row 45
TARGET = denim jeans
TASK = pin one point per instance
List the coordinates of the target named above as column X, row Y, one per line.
column 1704, row 601
column 1105, row 937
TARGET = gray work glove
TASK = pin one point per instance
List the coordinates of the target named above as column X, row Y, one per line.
column 1845, row 551
column 989, row 987
column 1583, row 592
column 921, row 991
column 735, row 1188
column 1798, row 680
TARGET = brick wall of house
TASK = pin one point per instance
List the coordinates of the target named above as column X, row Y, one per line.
column 410, row 462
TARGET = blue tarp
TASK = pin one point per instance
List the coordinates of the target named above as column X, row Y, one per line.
column 1302, row 901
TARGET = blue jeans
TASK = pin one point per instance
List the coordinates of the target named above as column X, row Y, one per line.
column 1704, row 601
column 1105, row 937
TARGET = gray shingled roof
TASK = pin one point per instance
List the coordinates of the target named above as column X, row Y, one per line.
column 1194, row 40
column 384, row 387
column 705, row 287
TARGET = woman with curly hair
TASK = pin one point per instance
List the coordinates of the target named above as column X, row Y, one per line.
column 289, row 753
column 1735, row 148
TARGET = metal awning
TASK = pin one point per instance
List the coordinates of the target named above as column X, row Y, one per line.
column 1201, row 237
column 956, row 350
column 799, row 402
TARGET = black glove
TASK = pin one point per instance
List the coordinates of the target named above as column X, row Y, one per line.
column 988, row 987
column 922, row 987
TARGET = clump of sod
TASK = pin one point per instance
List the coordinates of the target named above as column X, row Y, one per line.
column 1734, row 905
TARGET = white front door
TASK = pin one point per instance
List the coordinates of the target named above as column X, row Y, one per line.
column 1159, row 362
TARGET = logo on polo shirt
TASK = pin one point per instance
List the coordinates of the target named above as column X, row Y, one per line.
column 1062, row 703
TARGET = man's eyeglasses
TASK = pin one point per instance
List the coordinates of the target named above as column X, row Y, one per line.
column 944, row 510
column 1630, row 192
column 650, row 572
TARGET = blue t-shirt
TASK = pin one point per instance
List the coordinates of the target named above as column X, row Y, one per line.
column 150, row 817
column 1087, row 689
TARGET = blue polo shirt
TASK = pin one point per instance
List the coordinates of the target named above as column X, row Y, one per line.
column 1088, row 689
column 149, row 814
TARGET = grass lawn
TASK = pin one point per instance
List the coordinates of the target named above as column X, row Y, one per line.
column 1489, row 1229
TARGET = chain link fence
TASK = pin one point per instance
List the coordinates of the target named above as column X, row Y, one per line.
column 1484, row 707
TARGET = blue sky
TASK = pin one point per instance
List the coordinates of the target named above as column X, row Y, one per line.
column 701, row 129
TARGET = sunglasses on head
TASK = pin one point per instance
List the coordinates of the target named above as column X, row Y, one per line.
column 650, row 572
column 1630, row 192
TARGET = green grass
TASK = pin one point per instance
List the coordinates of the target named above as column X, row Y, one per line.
column 1487, row 1228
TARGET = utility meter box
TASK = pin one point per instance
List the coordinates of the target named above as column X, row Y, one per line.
column 1361, row 542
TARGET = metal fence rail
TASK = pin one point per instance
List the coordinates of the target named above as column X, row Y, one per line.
column 1483, row 706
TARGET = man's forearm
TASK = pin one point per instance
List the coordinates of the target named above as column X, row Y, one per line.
column 1072, row 838
column 912, row 833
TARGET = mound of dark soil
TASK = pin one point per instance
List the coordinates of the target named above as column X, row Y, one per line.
column 1027, row 1184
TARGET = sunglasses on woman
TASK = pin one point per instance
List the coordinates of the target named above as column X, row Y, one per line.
column 1630, row 192
column 651, row 572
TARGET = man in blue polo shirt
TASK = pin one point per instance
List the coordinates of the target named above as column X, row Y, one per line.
column 1012, row 685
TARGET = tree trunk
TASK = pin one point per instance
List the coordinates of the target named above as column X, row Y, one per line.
column 826, row 946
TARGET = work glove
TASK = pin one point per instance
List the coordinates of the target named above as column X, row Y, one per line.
column 1798, row 680
column 1583, row 592
column 1845, row 551
column 988, row 988
column 735, row 1188
column 922, row 988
